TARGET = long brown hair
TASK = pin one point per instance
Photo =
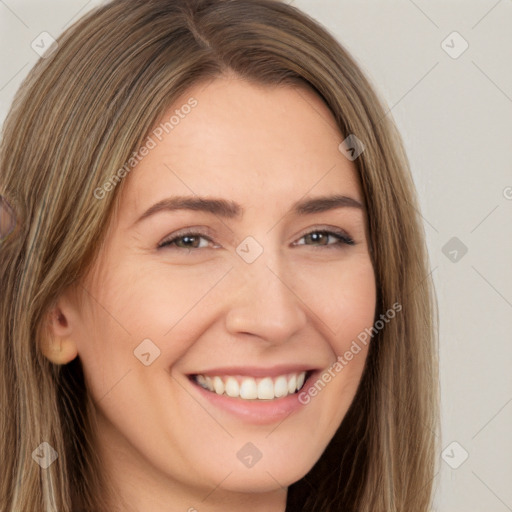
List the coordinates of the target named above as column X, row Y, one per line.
column 79, row 116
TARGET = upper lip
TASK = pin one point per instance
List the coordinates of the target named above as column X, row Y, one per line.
column 254, row 371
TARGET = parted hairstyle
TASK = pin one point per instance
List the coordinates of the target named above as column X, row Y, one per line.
column 80, row 114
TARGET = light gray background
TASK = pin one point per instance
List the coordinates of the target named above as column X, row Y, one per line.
column 455, row 115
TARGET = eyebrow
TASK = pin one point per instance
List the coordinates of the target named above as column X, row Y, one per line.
column 231, row 210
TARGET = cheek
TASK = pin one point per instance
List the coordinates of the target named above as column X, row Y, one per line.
column 343, row 298
column 131, row 303
column 166, row 303
column 345, row 308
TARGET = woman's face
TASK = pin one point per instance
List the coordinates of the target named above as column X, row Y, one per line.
column 255, row 297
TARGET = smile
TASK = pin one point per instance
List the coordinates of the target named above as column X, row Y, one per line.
column 250, row 388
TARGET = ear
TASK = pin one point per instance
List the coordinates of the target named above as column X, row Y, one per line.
column 58, row 344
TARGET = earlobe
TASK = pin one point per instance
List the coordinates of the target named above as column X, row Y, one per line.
column 58, row 345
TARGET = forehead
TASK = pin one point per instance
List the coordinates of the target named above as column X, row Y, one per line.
column 251, row 143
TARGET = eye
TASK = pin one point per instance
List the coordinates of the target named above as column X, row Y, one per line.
column 192, row 239
column 323, row 236
column 188, row 240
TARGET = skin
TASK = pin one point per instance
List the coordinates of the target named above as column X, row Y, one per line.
column 165, row 447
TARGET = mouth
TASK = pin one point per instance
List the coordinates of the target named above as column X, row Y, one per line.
column 253, row 389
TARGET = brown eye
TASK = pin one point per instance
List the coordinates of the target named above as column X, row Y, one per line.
column 321, row 238
column 185, row 241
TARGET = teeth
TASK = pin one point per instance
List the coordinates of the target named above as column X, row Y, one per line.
column 300, row 380
column 281, row 387
column 218, row 385
column 266, row 389
column 292, row 384
column 249, row 388
column 232, row 387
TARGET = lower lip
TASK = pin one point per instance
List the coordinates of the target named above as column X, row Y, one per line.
column 258, row 412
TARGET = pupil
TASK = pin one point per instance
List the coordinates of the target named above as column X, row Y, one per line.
column 317, row 236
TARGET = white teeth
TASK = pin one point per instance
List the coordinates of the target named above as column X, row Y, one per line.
column 218, row 385
column 292, row 384
column 266, row 389
column 281, row 386
column 300, row 380
column 249, row 388
column 232, row 388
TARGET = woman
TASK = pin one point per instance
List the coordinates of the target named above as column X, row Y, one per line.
column 215, row 294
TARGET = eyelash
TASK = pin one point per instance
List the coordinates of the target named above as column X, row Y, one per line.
column 343, row 239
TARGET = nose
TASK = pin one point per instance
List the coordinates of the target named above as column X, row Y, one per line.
column 265, row 304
